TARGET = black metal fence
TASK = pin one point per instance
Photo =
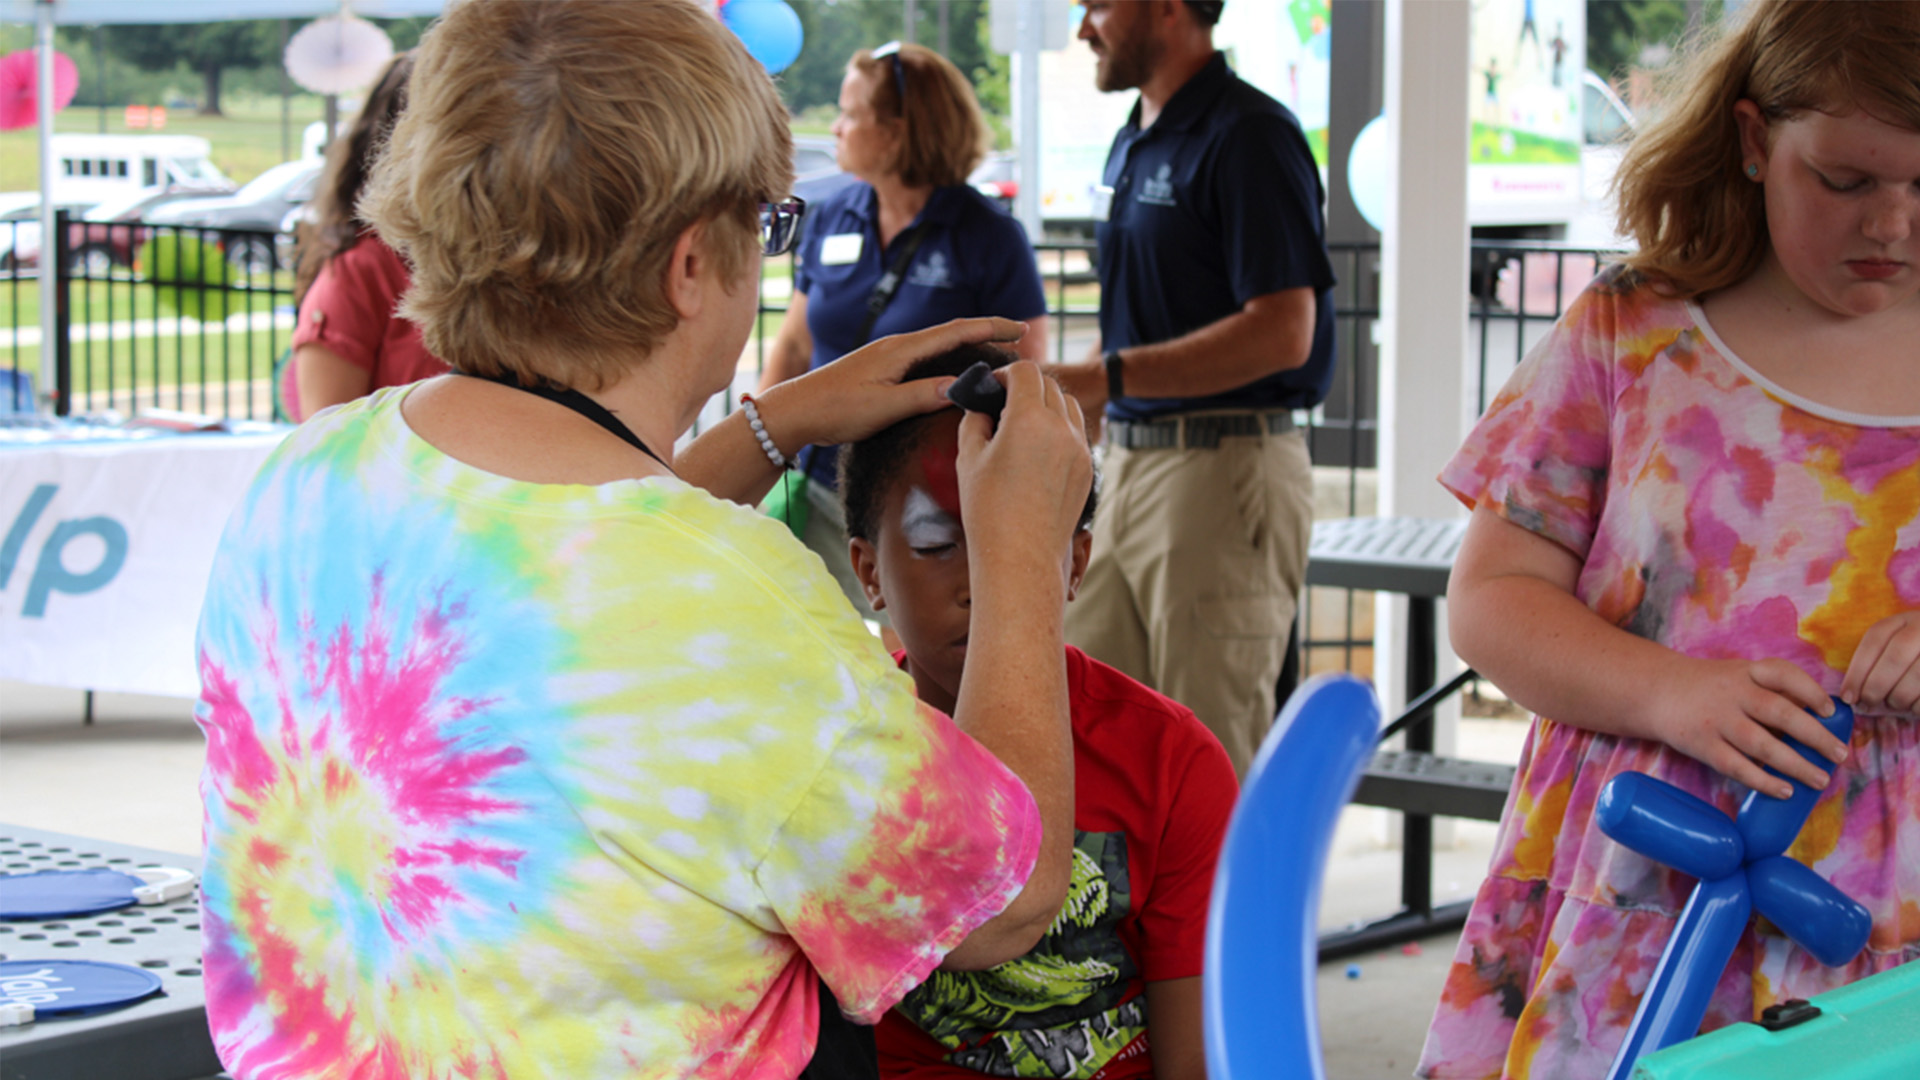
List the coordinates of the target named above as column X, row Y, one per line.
column 146, row 317
column 195, row 320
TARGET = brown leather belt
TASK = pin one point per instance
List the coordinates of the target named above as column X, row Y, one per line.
column 1200, row 431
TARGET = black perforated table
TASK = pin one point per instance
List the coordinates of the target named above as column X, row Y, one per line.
column 161, row 1038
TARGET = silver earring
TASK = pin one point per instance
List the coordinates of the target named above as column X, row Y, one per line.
column 1753, row 171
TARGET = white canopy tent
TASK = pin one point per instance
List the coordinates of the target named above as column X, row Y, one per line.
column 47, row 14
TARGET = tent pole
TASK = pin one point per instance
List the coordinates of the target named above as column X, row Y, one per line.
column 43, row 50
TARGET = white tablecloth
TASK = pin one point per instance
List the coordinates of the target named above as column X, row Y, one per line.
column 105, row 549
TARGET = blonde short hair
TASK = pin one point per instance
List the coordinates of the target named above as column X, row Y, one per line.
column 1701, row 224
column 551, row 154
column 945, row 134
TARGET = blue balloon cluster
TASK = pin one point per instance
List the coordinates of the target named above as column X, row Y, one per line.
column 1742, row 867
column 770, row 29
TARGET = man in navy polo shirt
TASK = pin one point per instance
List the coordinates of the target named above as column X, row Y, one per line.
column 1216, row 323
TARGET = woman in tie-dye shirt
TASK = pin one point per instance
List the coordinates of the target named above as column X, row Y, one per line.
column 532, row 749
column 1696, row 515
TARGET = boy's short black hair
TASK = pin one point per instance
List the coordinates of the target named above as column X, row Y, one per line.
column 869, row 467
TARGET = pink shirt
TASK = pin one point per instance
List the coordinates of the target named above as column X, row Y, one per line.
column 350, row 311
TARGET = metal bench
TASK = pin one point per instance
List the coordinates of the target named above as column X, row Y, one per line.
column 1411, row 556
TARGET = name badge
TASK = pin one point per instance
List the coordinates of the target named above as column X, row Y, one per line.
column 840, row 249
column 1102, row 199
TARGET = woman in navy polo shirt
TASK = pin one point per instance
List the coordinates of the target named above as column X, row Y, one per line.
column 911, row 131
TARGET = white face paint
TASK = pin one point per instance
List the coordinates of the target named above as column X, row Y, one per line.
column 923, row 524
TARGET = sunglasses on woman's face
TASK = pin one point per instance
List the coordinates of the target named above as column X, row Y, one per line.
column 780, row 225
column 891, row 51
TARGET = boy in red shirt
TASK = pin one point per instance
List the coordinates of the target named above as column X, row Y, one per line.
column 1113, row 988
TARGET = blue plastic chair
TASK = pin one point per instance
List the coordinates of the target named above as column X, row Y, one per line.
column 16, row 392
column 1258, row 990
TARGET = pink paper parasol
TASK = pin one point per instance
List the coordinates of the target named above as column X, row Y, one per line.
column 19, row 76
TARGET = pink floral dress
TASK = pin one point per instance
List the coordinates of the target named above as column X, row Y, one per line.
column 1722, row 516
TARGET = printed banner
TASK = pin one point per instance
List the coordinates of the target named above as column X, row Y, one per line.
column 104, row 554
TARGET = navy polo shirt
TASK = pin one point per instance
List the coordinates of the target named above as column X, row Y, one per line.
column 974, row 260
column 1217, row 203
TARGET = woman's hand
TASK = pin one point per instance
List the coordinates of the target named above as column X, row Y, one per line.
column 861, row 393
column 1884, row 675
column 1024, row 482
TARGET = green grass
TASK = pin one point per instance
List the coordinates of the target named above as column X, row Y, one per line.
column 1528, row 149
column 116, row 301
column 189, row 369
column 245, row 143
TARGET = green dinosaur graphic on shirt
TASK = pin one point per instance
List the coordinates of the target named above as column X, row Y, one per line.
column 1057, row 1011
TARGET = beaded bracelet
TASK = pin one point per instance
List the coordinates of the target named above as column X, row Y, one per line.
column 752, row 410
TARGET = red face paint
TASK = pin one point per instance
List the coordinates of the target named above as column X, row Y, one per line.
column 939, row 463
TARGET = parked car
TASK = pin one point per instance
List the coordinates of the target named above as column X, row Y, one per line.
column 259, row 206
column 998, row 178
column 816, row 168
column 20, row 229
column 111, row 233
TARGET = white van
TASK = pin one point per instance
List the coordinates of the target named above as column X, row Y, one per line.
column 94, row 168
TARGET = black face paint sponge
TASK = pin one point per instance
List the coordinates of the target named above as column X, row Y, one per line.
column 976, row 390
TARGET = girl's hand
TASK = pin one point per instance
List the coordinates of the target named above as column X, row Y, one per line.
column 1024, row 482
column 861, row 393
column 1729, row 714
column 1884, row 675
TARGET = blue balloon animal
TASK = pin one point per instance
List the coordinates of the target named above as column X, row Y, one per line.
column 1262, row 957
column 1742, row 867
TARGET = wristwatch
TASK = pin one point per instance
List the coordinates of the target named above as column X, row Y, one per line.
column 1115, row 391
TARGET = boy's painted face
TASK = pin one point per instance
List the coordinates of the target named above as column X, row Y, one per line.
column 1843, row 206
column 916, row 569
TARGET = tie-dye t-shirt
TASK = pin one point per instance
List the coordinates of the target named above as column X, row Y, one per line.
column 1724, row 517
column 522, row 780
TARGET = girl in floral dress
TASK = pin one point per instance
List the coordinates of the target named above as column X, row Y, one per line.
column 1696, row 515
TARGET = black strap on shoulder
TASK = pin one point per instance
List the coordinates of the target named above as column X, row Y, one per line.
column 904, row 247
column 580, row 403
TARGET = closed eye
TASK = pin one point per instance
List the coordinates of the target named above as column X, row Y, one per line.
column 1833, row 184
column 935, row 551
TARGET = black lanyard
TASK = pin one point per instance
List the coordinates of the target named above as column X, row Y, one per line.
column 904, row 247
column 580, row 403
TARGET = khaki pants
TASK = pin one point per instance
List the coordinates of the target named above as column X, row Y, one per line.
column 1199, row 556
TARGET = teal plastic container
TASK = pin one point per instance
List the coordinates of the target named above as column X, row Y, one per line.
column 1867, row 1031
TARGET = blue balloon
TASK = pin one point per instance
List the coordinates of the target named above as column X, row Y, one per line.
column 1741, row 870
column 1823, row 920
column 1669, row 826
column 770, row 30
column 1258, row 983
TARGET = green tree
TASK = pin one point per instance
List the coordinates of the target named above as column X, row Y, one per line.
column 834, row 29
column 208, row 48
column 1620, row 31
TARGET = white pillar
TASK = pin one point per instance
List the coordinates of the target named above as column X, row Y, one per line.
column 43, row 54
column 1030, row 34
column 1424, row 403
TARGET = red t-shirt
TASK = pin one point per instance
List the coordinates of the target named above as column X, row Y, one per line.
column 349, row 310
column 1152, row 794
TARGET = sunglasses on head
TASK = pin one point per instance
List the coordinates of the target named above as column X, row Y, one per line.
column 891, row 51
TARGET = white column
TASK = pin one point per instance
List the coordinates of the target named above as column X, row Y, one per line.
column 1424, row 404
column 43, row 54
column 1030, row 34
